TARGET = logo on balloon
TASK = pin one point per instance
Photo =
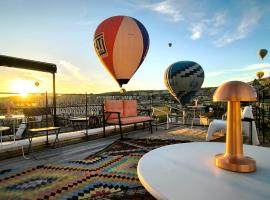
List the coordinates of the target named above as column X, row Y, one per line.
column 100, row 45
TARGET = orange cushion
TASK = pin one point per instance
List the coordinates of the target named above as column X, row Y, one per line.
column 130, row 108
column 114, row 106
column 130, row 120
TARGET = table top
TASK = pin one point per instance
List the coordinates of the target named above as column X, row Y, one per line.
column 12, row 117
column 79, row 119
column 4, row 128
column 187, row 171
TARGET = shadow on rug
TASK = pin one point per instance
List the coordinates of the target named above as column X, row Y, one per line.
column 108, row 174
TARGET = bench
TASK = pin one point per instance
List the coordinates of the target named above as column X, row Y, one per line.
column 122, row 112
column 37, row 128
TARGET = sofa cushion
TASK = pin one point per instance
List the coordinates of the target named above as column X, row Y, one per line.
column 129, row 120
column 130, row 108
column 114, row 106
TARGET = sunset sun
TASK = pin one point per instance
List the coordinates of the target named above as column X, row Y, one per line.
column 24, row 87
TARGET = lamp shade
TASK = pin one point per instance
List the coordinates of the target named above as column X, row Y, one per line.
column 235, row 91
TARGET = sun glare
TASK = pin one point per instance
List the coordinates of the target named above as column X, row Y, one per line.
column 23, row 87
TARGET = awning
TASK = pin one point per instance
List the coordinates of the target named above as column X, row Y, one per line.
column 7, row 61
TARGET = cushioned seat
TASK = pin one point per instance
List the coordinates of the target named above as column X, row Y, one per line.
column 130, row 120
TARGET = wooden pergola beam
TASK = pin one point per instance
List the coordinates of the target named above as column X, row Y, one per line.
column 7, row 61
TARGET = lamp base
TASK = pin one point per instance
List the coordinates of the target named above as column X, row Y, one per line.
column 236, row 164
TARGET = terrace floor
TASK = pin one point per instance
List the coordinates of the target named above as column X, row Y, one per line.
column 27, row 173
column 85, row 148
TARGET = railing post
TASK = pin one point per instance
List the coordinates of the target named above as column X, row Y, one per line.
column 47, row 124
column 263, row 115
column 86, row 114
column 103, row 119
column 54, row 102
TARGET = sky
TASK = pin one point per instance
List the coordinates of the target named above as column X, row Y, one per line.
column 222, row 36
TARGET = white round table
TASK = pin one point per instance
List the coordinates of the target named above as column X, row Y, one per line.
column 187, row 171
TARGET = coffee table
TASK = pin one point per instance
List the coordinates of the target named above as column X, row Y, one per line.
column 187, row 171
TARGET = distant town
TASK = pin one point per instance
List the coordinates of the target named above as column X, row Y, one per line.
column 145, row 98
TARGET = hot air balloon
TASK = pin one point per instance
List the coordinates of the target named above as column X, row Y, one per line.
column 121, row 43
column 183, row 79
column 260, row 74
column 170, row 44
column 123, row 91
column 262, row 53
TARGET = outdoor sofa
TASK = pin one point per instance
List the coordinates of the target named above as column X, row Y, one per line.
column 123, row 112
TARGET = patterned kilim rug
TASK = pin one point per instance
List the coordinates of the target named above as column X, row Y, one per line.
column 108, row 174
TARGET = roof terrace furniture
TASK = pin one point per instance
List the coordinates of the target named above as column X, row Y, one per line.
column 33, row 131
column 187, row 171
column 195, row 109
column 205, row 118
column 79, row 122
column 13, row 121
column 3, row 128
column 217, row 125
column 166, row 114
column 160, row 115
column 123, row 112
column 211, row 113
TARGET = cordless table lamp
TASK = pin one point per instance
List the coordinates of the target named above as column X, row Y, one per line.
column 233, row 159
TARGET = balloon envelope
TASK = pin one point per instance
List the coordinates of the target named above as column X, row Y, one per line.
column 123, row 90
column 183, row 79
column 262, row 53
column 121, row 43
column 260, row 74
column 170, row 44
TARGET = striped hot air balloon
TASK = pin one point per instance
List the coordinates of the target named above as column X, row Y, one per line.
column 183, row 79
column 121, row 43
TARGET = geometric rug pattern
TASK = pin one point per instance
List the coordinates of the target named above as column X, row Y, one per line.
column 108, row 174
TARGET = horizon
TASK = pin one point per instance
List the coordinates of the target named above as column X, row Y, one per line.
column 222, row 37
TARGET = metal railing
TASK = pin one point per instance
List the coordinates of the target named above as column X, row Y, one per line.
column 81, row 105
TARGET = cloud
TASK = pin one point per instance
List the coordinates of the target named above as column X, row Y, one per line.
column 71, row 79
column 70, row 71
column 247, row 72
column 197, row 21
column 219, row 19
column 217, row 73
column 166, row 8
column 243, row 29
column 209, row 26
column 255, row 67
column 223, row 27
column 21, row 77
column 245, row 78
column 196, row 31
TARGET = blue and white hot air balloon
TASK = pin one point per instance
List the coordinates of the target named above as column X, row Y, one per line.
column 183, row 79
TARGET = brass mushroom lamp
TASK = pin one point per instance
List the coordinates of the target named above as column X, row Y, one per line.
column 233, row 159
